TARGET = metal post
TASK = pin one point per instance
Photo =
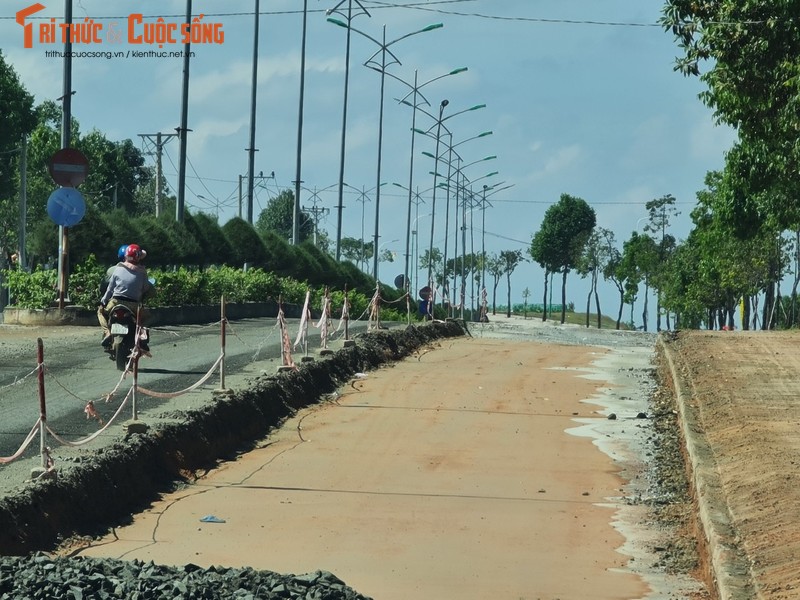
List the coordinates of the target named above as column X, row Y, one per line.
column 252, row 149
column 447, row 224
column 22, row 258
column 223, row 323
column 340, row 206
column 483, row 237
column 380, row 147
column 42, row 403
column 66, row 140
column 158, row 174
column 411, row 176
column 433, row 204
column 297, row 179
column 184, row 128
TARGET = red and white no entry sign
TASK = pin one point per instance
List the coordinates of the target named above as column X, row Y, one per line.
column 68, row 167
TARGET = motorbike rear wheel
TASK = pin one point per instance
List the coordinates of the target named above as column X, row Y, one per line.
column 122, row 351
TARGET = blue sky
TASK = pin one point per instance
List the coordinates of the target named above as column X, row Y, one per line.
column 575, row 104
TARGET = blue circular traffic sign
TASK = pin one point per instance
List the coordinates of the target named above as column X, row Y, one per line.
column 66, row 206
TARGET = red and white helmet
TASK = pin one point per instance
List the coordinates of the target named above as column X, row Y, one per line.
column 133, row 253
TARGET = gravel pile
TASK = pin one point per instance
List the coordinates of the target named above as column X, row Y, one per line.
column 39, row 576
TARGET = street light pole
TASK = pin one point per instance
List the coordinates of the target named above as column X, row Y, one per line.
column 251, row 151
column 380, row 66
column 451, row 151
column 442, row 106
column 349, row 16
column 439, row 124
column 297, row 178
column 414, row 104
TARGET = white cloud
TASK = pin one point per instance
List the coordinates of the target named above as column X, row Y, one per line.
column 708, row 141
column 559, row 161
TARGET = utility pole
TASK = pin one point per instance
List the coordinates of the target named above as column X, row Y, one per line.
column 22, row 259
column 251, row 192
column 316, row 212
column 159, row 141
column 183, row 130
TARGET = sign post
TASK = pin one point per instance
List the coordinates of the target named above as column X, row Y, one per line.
column 68, row 167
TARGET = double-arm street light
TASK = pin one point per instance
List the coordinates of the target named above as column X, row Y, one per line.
column 495, row 188
column 349, row 16
column 379, row 62
column 438, row 125
column 364, row 198
column 451, row 151
column 417, row 99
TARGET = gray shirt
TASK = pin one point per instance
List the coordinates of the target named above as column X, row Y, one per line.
column 127, row 280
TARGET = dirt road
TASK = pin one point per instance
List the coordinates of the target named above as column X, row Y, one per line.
column 470, row 471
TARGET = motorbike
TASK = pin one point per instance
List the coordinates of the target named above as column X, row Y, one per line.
column 122, row 323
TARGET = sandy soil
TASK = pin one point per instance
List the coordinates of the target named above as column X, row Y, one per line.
column 741, row 391
column 484, row 468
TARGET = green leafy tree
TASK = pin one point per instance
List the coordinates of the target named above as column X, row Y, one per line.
column 433, row 261
column 356, row 250
column 116, row 172
column 751, row 55
column 17, row 120
column 278, row 216
column 639, row 262
column 660, row 212
column 510, row 259
column 612, row 271
column 246, row 244
column 558, row 245
column 596, row 254
column 214, row 247
column 494, row 266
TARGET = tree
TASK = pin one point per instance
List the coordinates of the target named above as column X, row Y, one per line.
column 596, row 254
column 639, row 261
column 558, row 244
column 214, row 246
column 660, row 212
column 17, row 120
column 494, row 265
column 245, row 241
column 612, row 271
column 356, row 250
column 752, row 50
column 278, row 216
column 434, row 259
column 510, row 259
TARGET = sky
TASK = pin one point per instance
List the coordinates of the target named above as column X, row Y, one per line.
column 580, row 96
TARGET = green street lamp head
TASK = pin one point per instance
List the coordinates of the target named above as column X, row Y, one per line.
column 484, row 134
column 457, row 71
column 492, row 157
column 432, row 27
column 428, row 154
column 492, row 174
column 477, row 106
column 337, row 22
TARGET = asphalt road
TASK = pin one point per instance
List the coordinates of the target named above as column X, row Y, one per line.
column 78, row 371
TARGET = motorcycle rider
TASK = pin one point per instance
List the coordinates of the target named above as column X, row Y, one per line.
column 127, row 285
column 107, row 278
